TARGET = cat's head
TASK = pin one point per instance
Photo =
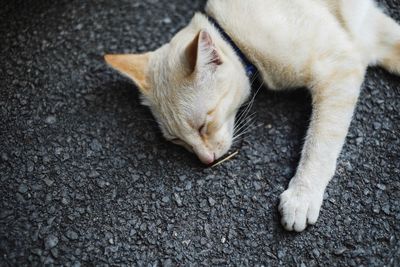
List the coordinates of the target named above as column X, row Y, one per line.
column 194, row 86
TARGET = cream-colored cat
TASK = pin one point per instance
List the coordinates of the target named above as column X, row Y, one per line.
column 195, row 84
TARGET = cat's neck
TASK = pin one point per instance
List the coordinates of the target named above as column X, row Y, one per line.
column 249, row 67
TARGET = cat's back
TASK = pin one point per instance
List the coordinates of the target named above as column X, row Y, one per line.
column 279, row 37
column 268, row 9
column 280, row 19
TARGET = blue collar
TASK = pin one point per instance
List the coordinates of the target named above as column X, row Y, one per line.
column 249, row 67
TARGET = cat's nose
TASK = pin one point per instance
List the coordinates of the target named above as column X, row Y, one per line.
column 207, row 158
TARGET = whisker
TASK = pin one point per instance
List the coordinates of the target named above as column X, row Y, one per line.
column 255, row 77
column 244, row 114
column 243, row 111
column 238, row 123
column 244, row 123
column 244, row 128
column 247, row 130
column 249, row 105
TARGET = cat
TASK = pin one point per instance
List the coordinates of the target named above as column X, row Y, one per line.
column 195, row 84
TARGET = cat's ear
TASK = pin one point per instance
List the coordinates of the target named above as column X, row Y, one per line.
column 202, row 53
column 135, row 66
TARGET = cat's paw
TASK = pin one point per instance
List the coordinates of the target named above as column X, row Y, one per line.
column 299, row 206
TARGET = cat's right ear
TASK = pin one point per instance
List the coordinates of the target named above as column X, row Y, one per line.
column 202, row 53
column 134, row 66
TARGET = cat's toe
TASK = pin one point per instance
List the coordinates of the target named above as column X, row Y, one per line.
column 299, row 207
column 313, row 212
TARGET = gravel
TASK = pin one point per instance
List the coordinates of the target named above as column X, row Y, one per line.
column 50, row 242
column 87, row 179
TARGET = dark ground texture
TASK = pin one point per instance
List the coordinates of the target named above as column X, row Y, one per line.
column 87, row 178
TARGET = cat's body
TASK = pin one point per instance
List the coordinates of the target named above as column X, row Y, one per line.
column 284, row 39
column 196, row 83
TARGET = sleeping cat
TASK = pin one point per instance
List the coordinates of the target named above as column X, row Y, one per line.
column 196, row 84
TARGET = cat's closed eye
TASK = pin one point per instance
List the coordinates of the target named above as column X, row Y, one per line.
column 203, row 129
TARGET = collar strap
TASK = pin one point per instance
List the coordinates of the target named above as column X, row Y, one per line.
column 249, row 67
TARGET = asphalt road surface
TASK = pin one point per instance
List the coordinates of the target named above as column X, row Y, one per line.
column 87, row 179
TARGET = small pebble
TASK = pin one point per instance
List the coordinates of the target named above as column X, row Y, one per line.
column 72, row 235
column 211, row 201
column 339, row 251
column 23, row 188
column 381, row 186
column 51, row 120
column 50, row 242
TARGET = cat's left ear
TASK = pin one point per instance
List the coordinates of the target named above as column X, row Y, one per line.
column 202, row 53
column 135, row 66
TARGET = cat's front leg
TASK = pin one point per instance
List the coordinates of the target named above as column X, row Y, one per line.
column 334, row 100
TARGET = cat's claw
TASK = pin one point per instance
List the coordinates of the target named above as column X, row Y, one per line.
column 299, row 207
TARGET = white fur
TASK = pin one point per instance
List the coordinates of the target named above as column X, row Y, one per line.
column 325, row 45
